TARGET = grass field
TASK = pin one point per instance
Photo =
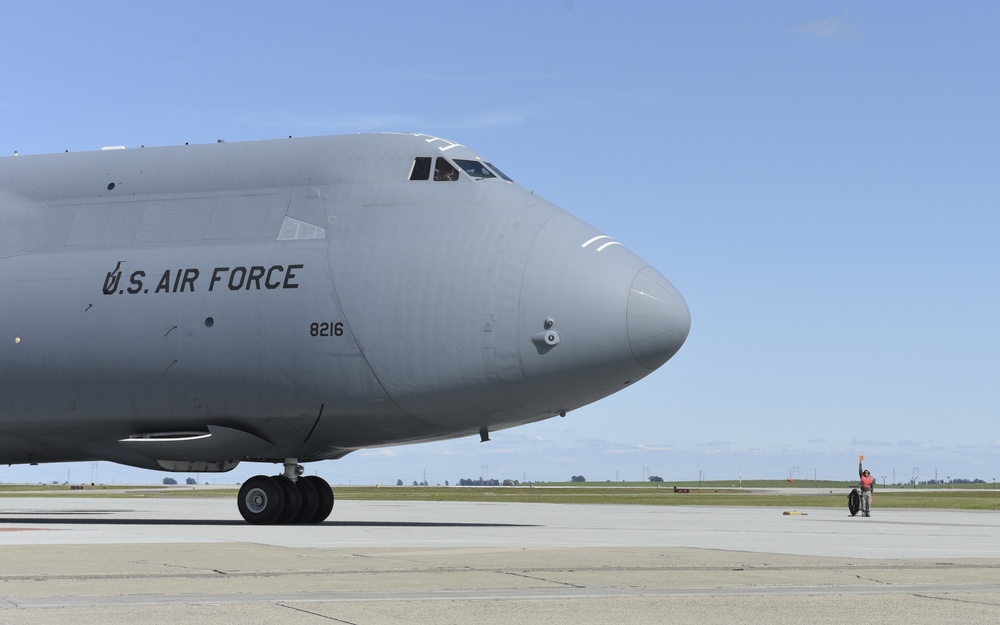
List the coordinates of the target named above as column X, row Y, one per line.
column 764, row 493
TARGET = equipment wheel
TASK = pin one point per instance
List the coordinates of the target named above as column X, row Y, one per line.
column 293, row 500
column 261, row 500
column 325, row 493
column 854, row 501
column 310, row 501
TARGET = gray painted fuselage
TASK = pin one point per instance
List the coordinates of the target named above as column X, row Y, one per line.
column 189, row 307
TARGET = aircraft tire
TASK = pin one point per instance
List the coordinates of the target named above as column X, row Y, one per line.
column 293, row 500
column 854, row 502
column 325, row 500
column 310, row 501
column 261, row 500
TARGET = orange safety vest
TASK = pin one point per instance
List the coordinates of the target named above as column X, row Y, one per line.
column 866, row 482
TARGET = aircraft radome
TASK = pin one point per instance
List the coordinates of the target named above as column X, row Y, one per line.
column 188, row 308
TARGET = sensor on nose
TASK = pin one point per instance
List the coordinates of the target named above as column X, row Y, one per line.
column 549, row 337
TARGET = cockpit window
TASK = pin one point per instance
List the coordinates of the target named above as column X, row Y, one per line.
column 421, row 169
column 499, row 173
column 476, row 169
column 443, row 170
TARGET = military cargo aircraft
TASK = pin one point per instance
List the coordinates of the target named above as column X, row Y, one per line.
column 192, row 307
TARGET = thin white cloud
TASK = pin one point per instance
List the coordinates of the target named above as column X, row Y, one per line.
column 858, row 440
column 500, row 451
column 654, row 448
column 617, row 452
column 829, row 28
column 382, row 452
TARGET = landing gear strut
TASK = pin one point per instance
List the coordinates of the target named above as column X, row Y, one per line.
column 285, row 498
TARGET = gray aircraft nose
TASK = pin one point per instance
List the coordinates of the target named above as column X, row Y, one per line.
column 657, row 319
column 594, row 318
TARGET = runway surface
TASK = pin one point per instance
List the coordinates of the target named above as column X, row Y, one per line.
column 189, row 560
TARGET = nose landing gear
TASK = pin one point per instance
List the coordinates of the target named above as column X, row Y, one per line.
column 285, row 498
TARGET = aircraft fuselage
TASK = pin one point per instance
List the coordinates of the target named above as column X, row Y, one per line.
column 190, row 307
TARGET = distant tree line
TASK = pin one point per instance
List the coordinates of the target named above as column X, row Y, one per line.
column 957, row 480
column 169, row 481
column 416, row 483
column 579, row 478
column 478, row 482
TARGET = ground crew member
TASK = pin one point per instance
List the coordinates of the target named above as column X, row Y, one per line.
column 867, row 487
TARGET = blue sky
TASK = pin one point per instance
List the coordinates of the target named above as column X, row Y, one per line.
column 820, row 180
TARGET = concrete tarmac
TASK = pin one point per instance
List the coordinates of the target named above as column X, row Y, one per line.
column 187, row 560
